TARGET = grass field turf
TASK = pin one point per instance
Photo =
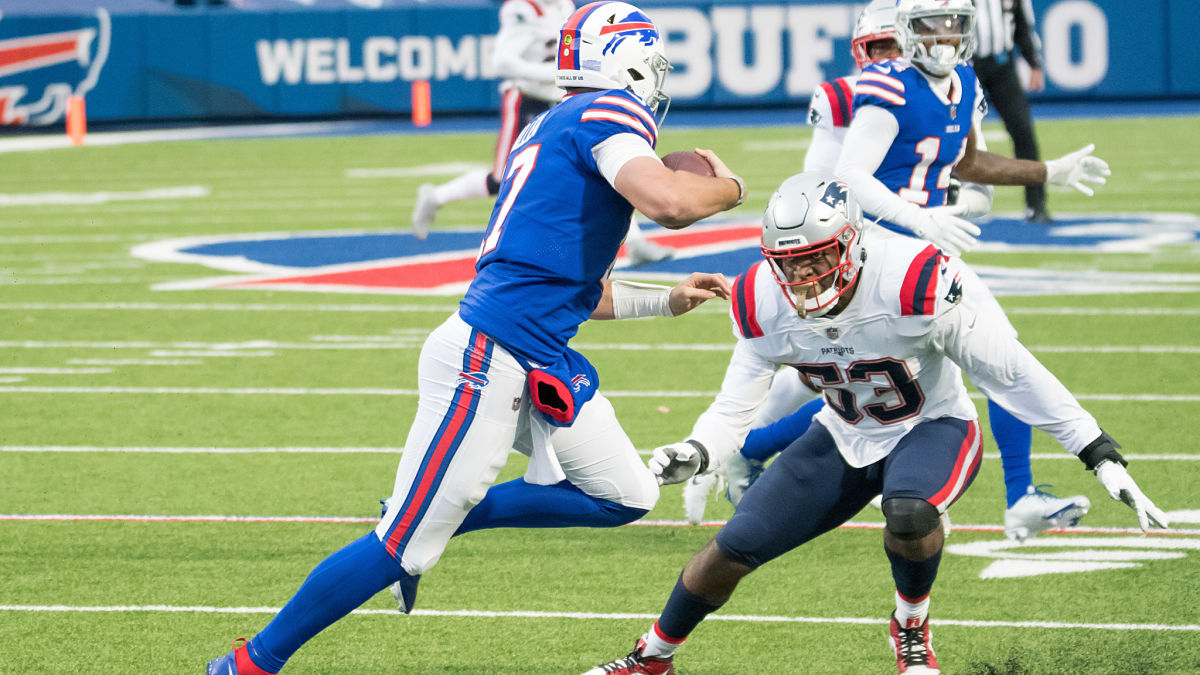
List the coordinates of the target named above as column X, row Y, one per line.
column 64, row 267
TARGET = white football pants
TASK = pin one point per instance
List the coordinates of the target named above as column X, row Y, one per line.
column 470, row 402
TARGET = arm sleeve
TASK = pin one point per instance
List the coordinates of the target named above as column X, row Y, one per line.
column 612, row 153
column 823, row 151
column 518, row 33
column 1023, row 34
column 867, row 142
column 1004, row 370
column 723, row 427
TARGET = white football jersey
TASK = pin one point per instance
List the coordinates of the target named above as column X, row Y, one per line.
column 889, row 361
column 526, row 46
column 829, row 113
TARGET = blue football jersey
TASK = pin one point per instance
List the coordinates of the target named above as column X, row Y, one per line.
column 933, row 131
column 556, row 227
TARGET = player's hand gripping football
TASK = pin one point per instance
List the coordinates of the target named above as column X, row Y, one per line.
column 697, row 288
column 677, row 462
column 1071, row 170
column 942, row 227
column 1121, row 487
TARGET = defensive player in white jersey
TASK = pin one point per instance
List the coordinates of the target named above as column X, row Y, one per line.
column 883, row 328
column 524, row 55
column 501, row 367
column 1029, row 509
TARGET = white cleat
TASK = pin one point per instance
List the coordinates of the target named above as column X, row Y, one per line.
column 643, row 251
column 425, row 211
column 1038, row 511
column 695, row 496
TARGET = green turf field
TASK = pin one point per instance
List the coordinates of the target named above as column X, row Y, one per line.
column 122, row 400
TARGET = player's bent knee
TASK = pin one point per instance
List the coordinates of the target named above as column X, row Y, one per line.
column 909, row 519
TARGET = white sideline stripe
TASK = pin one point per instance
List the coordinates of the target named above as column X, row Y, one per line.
column 301, row 391
column 517, row 614
column 852, row 525
column 414, row 341
column 386, row 450
column 55, row 371
column 446, row 169
column 57, row 198
column 253, row 307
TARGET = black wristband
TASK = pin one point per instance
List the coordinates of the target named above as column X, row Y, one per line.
column 703, row 454
column 1099, row 450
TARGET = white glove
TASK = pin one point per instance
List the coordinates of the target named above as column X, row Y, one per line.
column 942, row 227
column 677, row 462
column 1121, row 487
column 1071, row 170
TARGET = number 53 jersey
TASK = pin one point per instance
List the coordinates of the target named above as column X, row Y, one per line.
column 892, row 359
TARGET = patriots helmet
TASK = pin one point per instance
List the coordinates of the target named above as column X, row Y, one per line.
column 614, row 45
column 936, row 34
column 813, row 213
column 877, row 22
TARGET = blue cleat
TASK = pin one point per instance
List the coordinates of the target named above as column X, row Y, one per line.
column 405, row 593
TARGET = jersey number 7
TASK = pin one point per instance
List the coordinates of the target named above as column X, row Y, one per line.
column 519, row 168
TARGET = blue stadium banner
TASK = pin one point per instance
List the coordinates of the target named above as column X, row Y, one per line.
column 264, row 59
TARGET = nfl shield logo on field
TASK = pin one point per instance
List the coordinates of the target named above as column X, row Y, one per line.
column 832, row 333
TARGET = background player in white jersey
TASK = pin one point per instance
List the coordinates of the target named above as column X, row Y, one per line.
column 884, row 328
column 524, row 56
column 501, row 365
column 1029, row 510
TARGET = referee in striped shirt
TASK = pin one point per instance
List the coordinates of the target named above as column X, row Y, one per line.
column 1000, row 25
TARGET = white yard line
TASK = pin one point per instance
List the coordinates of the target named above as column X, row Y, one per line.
column 390, row 450
column 853, row 525
column 414, row 338
column 522, row 614
column 308, row 307
column 382, row 391
column 62, row 198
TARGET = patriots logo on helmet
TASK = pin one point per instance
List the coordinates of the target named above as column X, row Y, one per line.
column 835, row 194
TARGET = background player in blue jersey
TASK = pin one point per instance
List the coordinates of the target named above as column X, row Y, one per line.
column 1029, row 510
column 499, row 373
column 884, row 327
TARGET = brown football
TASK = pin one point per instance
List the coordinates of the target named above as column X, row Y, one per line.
column 688, row 160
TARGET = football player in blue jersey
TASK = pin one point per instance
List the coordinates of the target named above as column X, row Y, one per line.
column 499, row 373
column 912, row 123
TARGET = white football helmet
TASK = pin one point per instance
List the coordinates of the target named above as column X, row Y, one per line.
column 614, row 45
column 809, row 213
column 922, row 26
column 876, row 22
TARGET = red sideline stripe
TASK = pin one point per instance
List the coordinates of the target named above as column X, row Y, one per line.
column 917, row 289
column 78, row 518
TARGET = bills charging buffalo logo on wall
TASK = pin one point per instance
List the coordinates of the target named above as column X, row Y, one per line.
column 40, row 71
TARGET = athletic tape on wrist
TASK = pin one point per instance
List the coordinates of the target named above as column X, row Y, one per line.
column 632, row 300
